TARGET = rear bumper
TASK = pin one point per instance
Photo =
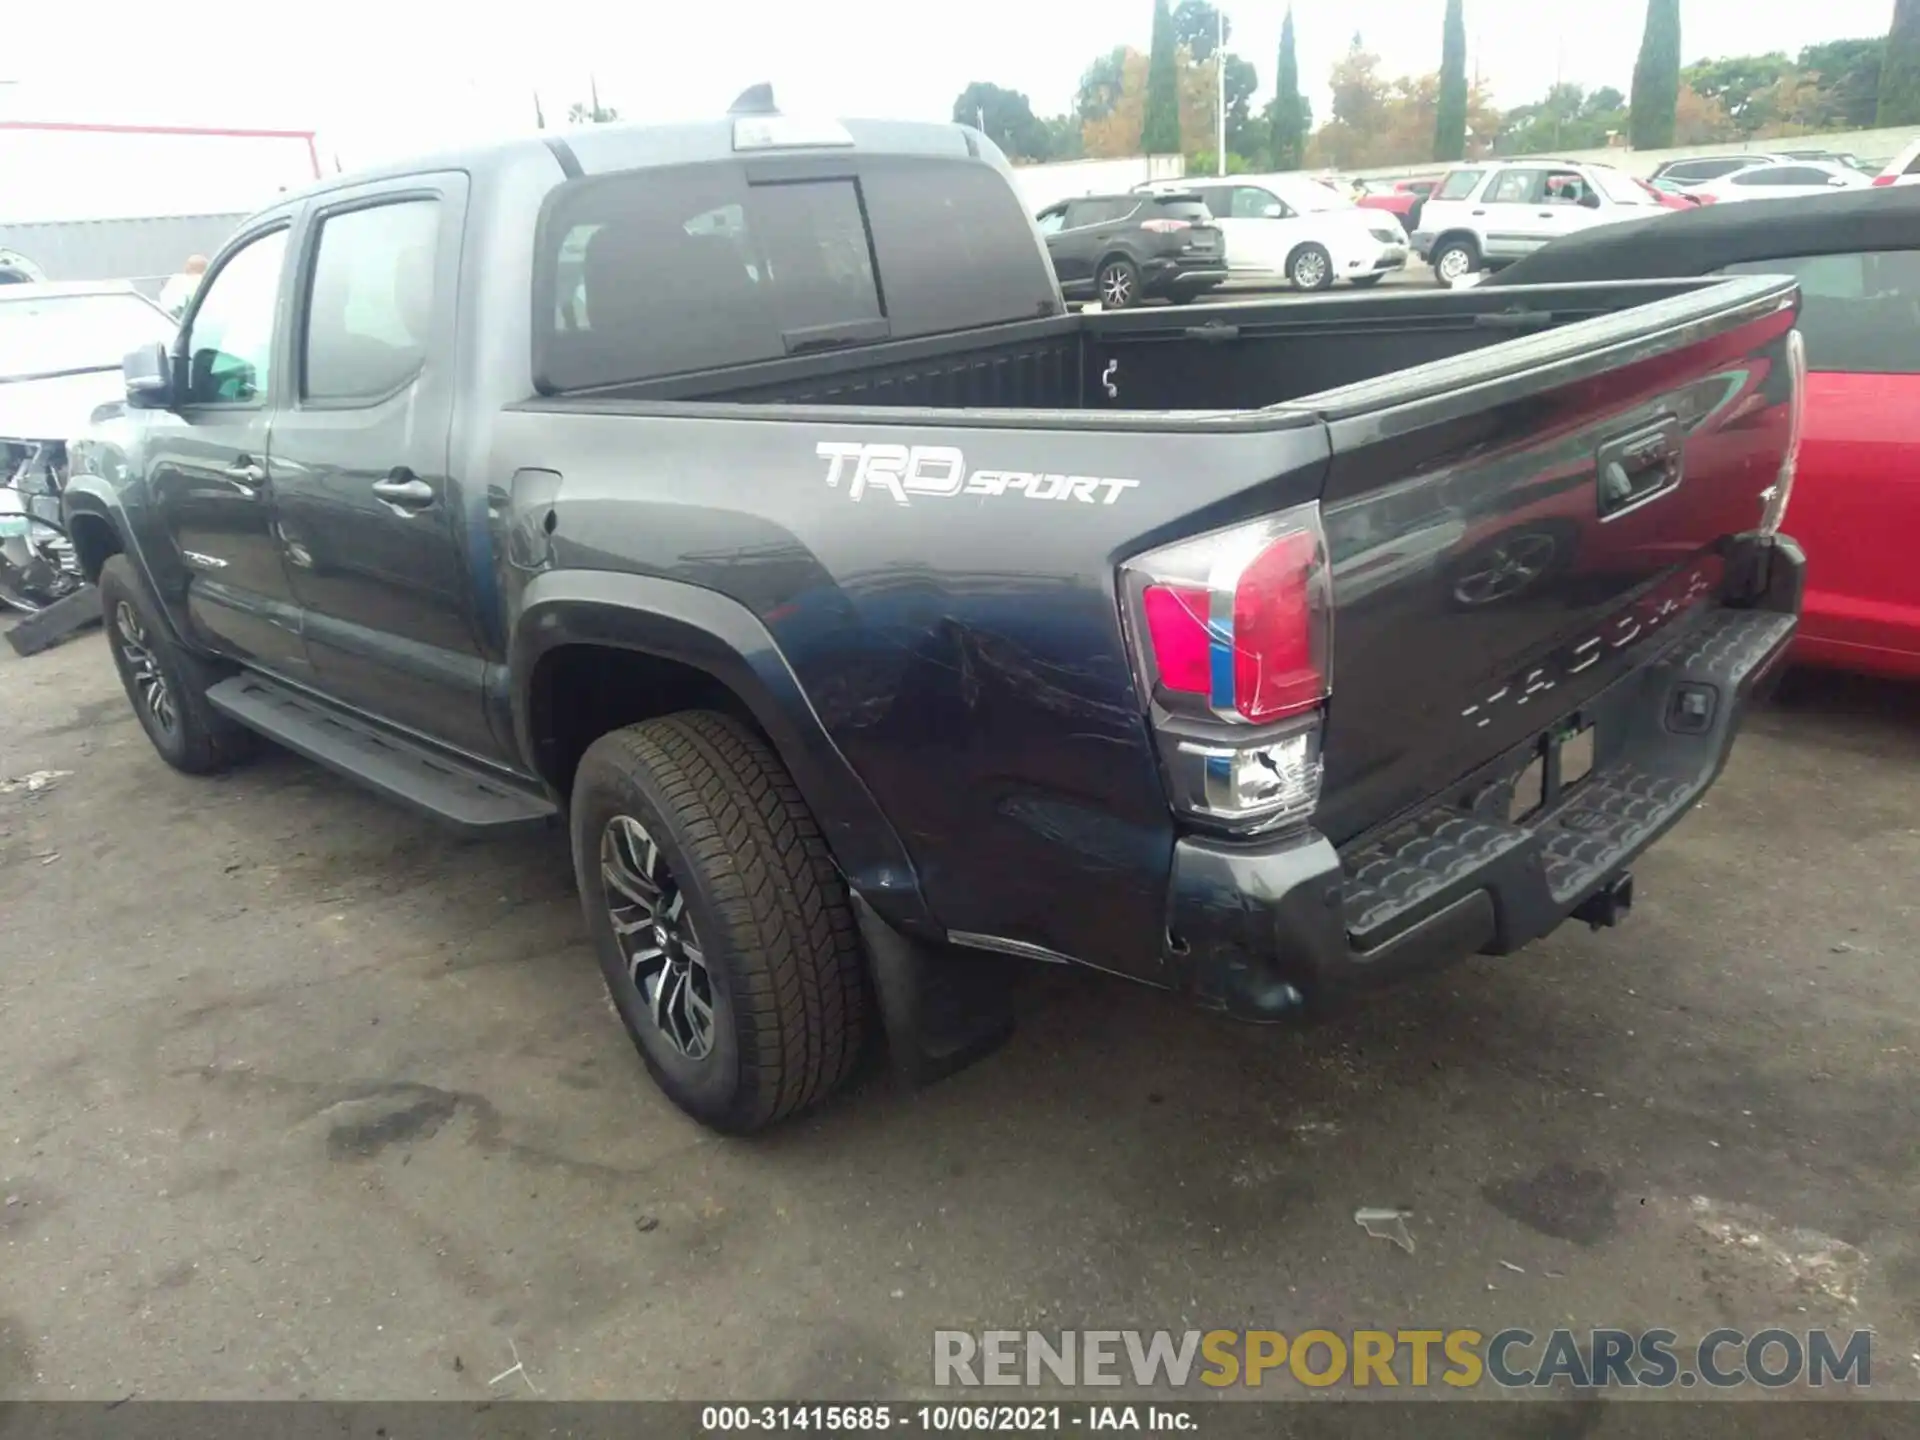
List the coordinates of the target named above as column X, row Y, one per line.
column 1275, row 931
column 1165, row 275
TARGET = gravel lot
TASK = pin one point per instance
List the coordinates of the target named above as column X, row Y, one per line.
column 299, row 1097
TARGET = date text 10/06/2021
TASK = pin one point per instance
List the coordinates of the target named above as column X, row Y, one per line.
column 939, row 1419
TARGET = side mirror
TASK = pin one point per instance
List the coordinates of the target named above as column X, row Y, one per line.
column 1271, row 211
column 148, row 375
column 1590, row 200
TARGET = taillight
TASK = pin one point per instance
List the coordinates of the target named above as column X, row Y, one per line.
column 1165, row 227
column 1776, row 501
column 1883, row 179
column 1232, row 632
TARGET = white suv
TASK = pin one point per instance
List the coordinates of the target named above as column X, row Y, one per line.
column 1489, row 215
column 1294, row 229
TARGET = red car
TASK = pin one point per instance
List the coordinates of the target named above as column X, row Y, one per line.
column 1400, row 197
column 1855, row 504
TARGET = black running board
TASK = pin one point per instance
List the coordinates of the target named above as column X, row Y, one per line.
column 460, row 795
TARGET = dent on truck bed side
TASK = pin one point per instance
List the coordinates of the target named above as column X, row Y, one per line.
column 710, row 632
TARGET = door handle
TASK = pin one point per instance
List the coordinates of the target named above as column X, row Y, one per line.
column 247, row 472
column 1479, row 212
column 404, row 491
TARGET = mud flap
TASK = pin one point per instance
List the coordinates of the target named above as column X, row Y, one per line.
column 942, row 1008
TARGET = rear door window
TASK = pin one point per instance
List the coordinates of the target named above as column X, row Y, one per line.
column 1514, row 187
column 1859, row 313
column 1458, row 185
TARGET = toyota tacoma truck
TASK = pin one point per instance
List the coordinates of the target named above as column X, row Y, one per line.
column 743, row 496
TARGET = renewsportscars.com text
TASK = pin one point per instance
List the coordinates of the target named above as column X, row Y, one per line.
column 1461, row 1359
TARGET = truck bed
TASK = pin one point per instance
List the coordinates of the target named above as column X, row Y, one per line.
column 1248, row 355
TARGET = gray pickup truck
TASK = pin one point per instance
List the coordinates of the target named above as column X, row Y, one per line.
column 744, row 494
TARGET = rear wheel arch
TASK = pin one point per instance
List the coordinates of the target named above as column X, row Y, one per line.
column 594, row 652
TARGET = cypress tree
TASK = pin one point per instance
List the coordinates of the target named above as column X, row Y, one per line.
column 1289, row 111
column 1900, row 67
column 1160, row 134
column 1656, row 78
column 1450, row 126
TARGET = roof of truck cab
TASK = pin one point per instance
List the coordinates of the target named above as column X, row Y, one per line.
column 602, row 149
column 1712, row 237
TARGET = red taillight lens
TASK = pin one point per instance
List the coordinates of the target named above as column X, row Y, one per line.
column 1165, row 227
column 1275, row 671
column 1177, row 630
column 1239, row 618
column 1883, row 179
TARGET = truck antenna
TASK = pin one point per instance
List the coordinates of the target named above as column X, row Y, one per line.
column 755, row 100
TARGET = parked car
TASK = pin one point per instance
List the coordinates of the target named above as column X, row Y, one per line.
column 1903, row 169
column 1122, row 249
column 1789, row 178
column 1402, row 199
column 1488, row 215
column 1691, row 170
column 60, row 351
column 871, row 619
column 1294, row 229
column 1837, row 157
column 1856, row 502
column 1676, row 196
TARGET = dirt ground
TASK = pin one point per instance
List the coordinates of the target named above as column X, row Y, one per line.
column 300, row 1097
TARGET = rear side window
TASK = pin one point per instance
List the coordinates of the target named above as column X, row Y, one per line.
column 1859, row 313
column 1458, row 185
column 370, row 301
column 668, row 271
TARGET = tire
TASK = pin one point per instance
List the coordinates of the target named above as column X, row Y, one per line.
column 1454, row 259
column 166, row 684
column 1310, row 268
column 1366, row 282
column 747, row 914
column 1116, row 283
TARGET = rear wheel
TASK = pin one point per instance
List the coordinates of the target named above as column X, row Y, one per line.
column 1310, row 268
column 1118, row 285
column 167, row 684
column 1454, row 260
column 723, row 929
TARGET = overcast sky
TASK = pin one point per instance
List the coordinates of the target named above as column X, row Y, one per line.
column 385, row 79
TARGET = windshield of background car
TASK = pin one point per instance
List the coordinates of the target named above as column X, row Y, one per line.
column 1620, row 188
column 1309, row 196
column 61, row 334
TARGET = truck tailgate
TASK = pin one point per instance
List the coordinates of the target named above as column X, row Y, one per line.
column 1510, row 529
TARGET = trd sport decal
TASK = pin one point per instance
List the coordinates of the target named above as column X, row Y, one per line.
column 903, row 470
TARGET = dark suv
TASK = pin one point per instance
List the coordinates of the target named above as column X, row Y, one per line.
column 1122, row 249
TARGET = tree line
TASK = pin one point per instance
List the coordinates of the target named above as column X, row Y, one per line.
column 1164, row 102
